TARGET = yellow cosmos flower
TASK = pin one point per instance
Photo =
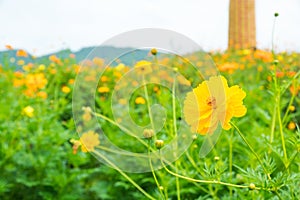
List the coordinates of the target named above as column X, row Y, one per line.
column 42, row 95
column 42, row 67
column 88, row 141
column 143, row 67
column 211, row 103
column 292, row 126
column 103, row 89
column 140, row 100
column 65, row 89
column 28, row 111
column 21, row 53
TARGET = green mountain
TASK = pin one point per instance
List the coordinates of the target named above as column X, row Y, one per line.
column 109, row 53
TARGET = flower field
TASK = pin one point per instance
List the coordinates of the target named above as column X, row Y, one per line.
column 249, row 108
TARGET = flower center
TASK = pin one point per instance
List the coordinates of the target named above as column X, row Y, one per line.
column 211, row 101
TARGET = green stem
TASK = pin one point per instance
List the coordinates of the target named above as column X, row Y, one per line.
column 281, row 129
column 192, row 161
column 125, row 153
column 121, row 127
column 148, row 103
column 273, row 126
column 153, row 173
column 202, row 181
column 251, row 149
column 175, row 134
column 126, row 131
column 230, row 160
column 125, row 175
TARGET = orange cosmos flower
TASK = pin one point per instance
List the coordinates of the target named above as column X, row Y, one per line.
column 211, row 103
column 9, row 47
column 229, row 67
column 21, row 53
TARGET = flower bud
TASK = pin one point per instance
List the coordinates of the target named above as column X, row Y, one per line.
column 154, row 51
column 276, row 62
column 159, row 144
column 194, row 137
column 148, row 133
column 276, row 14
column 252, row 186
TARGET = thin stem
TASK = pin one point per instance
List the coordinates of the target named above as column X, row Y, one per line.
column 126, row 131
column 122, row 152
column 148, row 103
column 272, row 127
column 230, row 160
column 121, row 127
column 281, row 129
column 125, row 175
column 251, row 149
column 153, row 173
column 175, row 134
column 192, row 161
column 202, row 181
column 278, row 195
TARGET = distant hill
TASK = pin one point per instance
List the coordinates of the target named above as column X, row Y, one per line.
column 105, row 52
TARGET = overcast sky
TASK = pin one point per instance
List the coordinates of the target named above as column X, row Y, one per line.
column 45, row 26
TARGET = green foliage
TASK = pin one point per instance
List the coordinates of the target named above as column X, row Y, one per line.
column 37, row 159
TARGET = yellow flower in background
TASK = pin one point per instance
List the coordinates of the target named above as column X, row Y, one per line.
column 104, row 79
column 211, row 103
column 18, row 82
column 71, row 81
column 292, row 126
column 65, row 89
column 35, row 81
column 28, row 111
column 42, row 94
column 76, row 145
column 88, row 141
column 27, row 68
column 103, row 89
column 20, row 62
column 55, row 59
column 140, row 100
column 21, row 53
column 292, row 108
column 98, row 61
column 120, row 66
column 42, row 67
column 143, row 67
column 229, row 67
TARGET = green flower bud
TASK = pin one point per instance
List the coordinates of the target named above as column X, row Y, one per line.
column 148, row 133
column 154, row 51
column 159, row 144
column 252, row 186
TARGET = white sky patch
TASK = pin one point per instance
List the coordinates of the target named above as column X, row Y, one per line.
column 42, row 27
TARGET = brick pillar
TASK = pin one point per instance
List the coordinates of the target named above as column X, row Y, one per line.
column 242, row 30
